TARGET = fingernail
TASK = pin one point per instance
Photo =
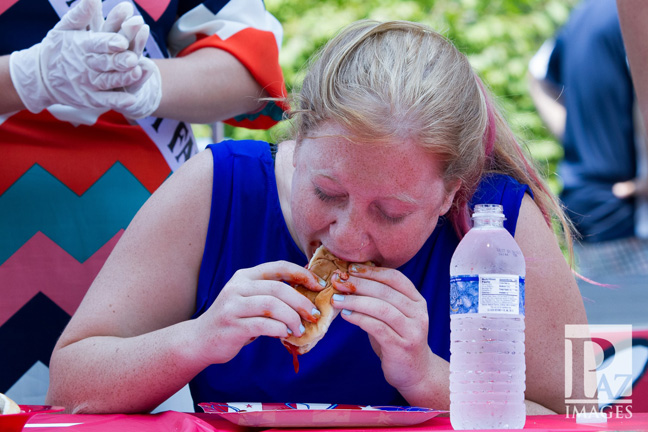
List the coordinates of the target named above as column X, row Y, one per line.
column 302, row 329
column 322, row 282
column 289, row 331
column 353, row 268
column 338, row 297
column 315, row 311
column 346, row 312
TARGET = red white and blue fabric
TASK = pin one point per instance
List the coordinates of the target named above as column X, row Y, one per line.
column 71, row 181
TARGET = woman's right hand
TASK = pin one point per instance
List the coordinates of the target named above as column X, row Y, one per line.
column 258, row 301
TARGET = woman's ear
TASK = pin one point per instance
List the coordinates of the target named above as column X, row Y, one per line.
column 451, row 189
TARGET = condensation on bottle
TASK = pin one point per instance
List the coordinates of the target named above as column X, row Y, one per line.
column 487, row 367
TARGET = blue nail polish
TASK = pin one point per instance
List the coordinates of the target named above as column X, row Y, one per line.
column 289, row 331
column 302, row 329
column 315, row 311
column 338, row 297
column 346, row 312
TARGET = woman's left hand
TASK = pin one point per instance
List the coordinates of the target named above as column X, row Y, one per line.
column 385, row 304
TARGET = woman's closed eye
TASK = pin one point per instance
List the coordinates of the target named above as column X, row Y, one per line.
column 326, row 197
column 390, row 215
column 392, row 219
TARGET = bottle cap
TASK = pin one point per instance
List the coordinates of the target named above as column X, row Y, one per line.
column 492, row 210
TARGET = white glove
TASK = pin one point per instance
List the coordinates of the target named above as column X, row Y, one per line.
column 78, row 65
column 146, row 91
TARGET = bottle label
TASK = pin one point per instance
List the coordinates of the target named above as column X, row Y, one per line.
column 487, row 293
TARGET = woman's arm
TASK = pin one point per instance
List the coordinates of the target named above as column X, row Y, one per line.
column 552, row 301
column 131, row 344
column 10, row 101
column 129, row 347
column 205, row 86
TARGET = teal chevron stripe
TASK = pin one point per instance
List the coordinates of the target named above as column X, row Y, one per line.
column 78, row 224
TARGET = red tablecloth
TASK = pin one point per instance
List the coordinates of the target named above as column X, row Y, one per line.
column 175, row 422
column 164, row 422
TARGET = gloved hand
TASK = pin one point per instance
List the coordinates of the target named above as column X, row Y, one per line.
column 79, row 65
column 146, row 91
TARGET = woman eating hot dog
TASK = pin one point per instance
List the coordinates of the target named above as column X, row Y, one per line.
column 395, row 139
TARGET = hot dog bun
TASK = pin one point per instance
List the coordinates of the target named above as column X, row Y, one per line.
column 7, row 406
column 323, row 264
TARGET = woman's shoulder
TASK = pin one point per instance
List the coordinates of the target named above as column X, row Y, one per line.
column 246, row 163
column 499, row 185
column 244, row 148
column 502, row 189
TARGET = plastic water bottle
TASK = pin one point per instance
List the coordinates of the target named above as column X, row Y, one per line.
column 487, row 368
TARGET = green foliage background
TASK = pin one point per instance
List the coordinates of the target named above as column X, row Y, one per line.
column 498, row 36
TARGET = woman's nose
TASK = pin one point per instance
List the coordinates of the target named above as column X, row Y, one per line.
column 350, row 231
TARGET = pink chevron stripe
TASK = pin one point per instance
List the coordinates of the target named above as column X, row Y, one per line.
column 41, row 265
column 6, row 4
column 155, row 8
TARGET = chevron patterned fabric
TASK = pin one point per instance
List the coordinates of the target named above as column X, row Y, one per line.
column 53, row 241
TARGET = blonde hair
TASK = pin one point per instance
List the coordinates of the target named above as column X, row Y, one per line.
column 399, row 80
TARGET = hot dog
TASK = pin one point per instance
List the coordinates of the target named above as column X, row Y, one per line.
column 323, row 264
